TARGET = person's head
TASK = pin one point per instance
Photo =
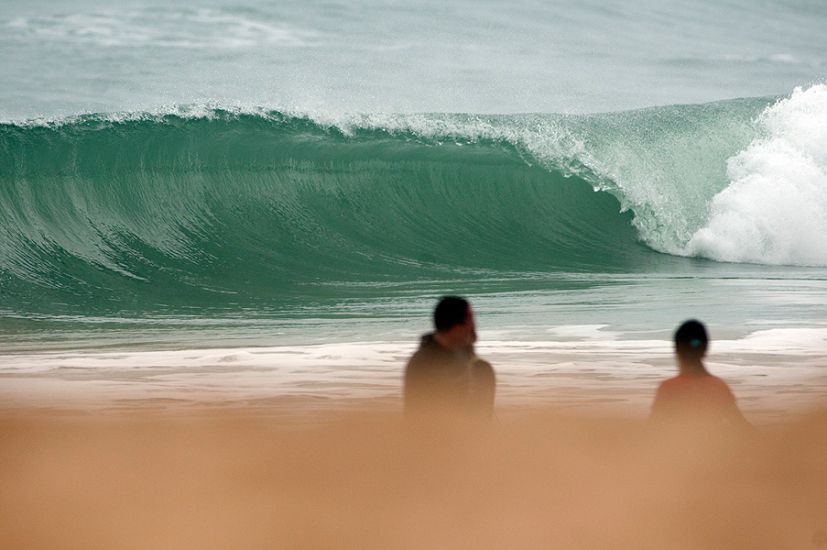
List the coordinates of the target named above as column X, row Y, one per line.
column 691, row 341
column 454, row 321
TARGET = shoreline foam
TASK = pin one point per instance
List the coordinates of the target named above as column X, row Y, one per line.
column 773, row 373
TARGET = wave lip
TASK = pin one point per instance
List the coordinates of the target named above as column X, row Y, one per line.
column 774, row 211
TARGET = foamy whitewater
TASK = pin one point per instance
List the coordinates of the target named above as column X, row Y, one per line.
column 237, row 201
column 775, row 208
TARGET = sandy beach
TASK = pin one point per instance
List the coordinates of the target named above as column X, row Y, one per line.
column 537, row 478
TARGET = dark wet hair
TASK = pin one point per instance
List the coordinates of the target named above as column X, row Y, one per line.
column 450, row 311
column 691, row 339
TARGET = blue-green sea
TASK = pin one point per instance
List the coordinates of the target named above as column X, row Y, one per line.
column 234, row 201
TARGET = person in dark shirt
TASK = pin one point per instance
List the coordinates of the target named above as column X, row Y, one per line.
column 694, row 394
column 444, row 374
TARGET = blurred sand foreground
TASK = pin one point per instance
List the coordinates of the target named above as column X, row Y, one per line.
column 538, row 479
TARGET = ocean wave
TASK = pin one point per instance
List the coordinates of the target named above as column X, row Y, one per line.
column 241, row 210
column 248, row 206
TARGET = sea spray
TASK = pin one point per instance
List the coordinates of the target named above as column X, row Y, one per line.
column 775, row 209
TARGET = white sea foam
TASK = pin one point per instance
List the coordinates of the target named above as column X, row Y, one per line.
column 774, row 211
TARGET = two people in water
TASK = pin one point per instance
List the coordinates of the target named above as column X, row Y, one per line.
column 445, row 374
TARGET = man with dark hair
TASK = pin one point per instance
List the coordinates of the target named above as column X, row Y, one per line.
column 445, row 375
column 695, row 394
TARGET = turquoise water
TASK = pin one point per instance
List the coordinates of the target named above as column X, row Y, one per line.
column 211, row 175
